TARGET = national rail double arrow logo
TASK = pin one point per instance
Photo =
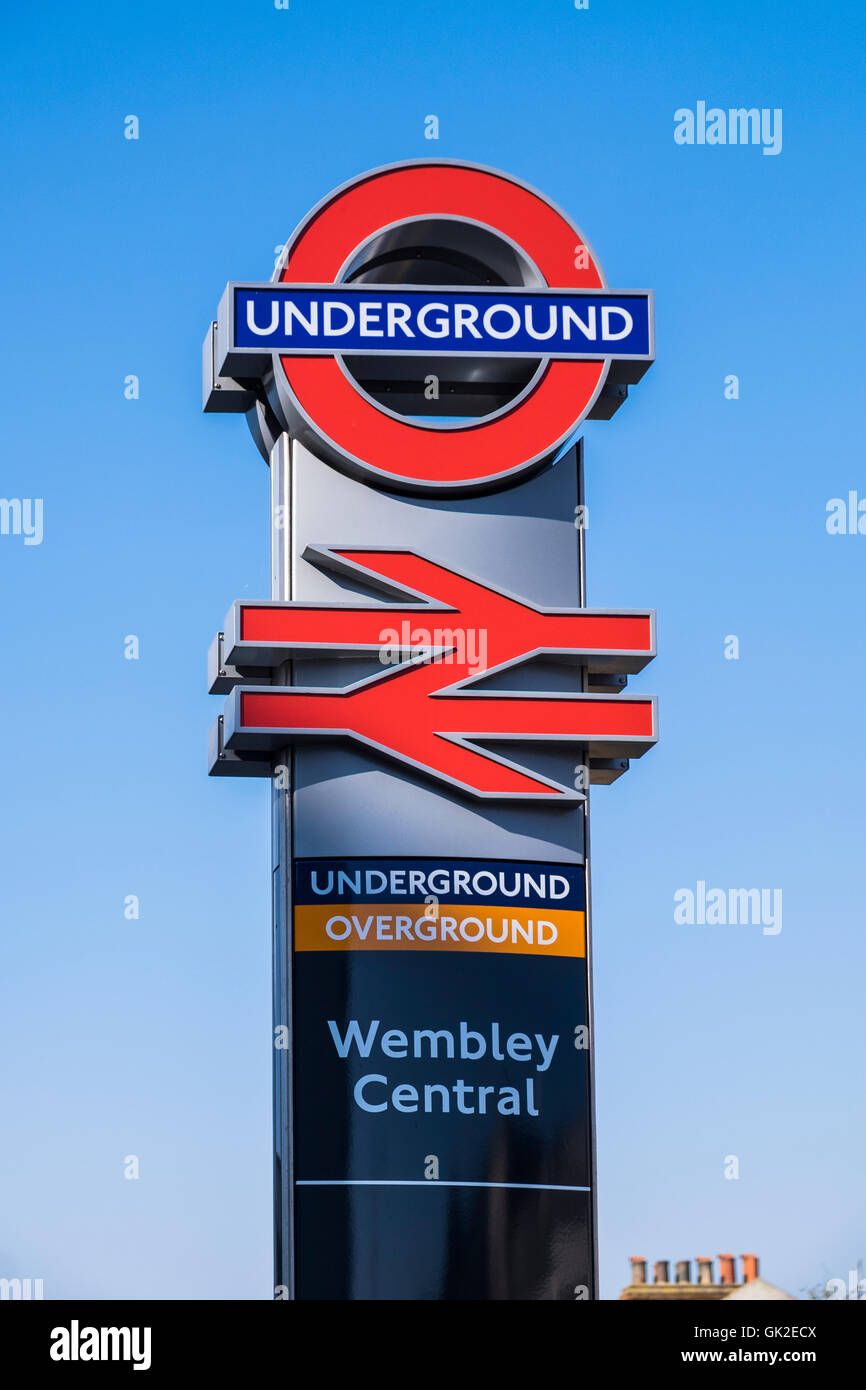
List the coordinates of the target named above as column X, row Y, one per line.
column 434, row 710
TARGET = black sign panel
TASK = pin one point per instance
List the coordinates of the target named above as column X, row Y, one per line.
column 442, row 1141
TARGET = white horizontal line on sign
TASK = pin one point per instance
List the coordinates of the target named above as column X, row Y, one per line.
column 431, row 1182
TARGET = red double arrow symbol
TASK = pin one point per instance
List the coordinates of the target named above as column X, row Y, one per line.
column 426, row 709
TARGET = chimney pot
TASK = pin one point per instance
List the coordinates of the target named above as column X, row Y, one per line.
column 705, row 1269
column 750, row 1268
column 638, row 1269
column 726, row 1270
column 684, row 1274
column 660, row 1272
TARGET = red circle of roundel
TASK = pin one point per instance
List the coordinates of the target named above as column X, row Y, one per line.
column 403, row 451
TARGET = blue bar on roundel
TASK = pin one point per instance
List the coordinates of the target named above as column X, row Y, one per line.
column 387, row 319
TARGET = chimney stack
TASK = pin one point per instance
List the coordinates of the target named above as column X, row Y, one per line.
column 638, row 1269
column 684, row 1275
column 750, row 1268
column 726, row 1270
column 660, row 1272
column 705, row 1269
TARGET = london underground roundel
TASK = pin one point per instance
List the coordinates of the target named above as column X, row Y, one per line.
column 434, row 327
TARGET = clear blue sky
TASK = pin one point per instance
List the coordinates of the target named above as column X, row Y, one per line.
column 152, row 1037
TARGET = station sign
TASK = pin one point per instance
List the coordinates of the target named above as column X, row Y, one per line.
column 431, row 697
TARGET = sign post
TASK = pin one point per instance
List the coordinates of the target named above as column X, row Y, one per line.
column 431, row 698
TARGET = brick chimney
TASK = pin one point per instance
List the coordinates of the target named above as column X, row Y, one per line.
column 693, row 1279
column 705, row 1269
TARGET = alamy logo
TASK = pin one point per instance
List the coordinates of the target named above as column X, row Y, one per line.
column 720, row 907
column 846, row 516
column 22, row 516
column 734, row 126
column 453, row 646
column 13, row 1289
column 76, row 1343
